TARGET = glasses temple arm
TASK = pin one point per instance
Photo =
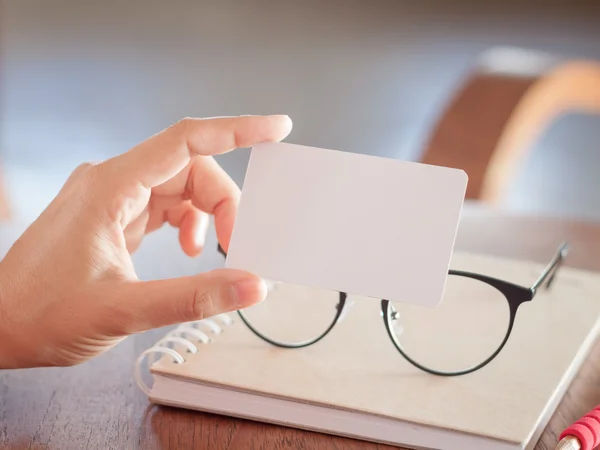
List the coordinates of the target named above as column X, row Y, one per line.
column 548, row 274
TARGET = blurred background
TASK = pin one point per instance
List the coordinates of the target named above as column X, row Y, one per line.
column 448, row 82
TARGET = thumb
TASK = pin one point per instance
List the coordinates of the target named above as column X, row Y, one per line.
column 154, row 304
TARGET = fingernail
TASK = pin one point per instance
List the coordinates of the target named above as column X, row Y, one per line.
column 249, row 292
column 287, row 119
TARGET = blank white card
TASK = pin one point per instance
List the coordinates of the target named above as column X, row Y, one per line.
column 340, row 221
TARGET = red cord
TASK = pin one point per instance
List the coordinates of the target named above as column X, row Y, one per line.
column 586, row 429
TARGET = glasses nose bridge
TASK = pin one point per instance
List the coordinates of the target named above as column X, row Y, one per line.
column 349, row 303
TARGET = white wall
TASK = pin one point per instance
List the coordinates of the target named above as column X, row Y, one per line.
column 86, row 80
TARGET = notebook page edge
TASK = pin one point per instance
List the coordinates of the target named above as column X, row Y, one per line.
column 171, row 391
column 565, row 383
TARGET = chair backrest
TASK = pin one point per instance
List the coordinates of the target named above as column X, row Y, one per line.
column 507, row 101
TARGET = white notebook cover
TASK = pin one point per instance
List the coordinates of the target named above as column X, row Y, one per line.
column 355, row 377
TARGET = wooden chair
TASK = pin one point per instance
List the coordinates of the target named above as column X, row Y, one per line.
column 506, row 103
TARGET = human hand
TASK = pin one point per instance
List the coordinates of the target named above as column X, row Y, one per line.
column 68, row 289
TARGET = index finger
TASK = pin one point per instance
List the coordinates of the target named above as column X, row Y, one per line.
column 165, row 154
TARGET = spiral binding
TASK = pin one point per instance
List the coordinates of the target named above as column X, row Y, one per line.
column 185, row 335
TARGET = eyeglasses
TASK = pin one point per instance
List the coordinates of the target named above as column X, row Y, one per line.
column 464, row 333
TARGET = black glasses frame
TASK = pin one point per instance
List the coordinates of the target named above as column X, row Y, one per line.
column 515, row 295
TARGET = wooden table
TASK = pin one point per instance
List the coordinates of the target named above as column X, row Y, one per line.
column 98, row 406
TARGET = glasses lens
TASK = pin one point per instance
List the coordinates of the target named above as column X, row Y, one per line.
column 460, row 333
column 293, row 315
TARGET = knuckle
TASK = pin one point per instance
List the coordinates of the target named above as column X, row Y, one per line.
column 81, row 167
column 88, row 167
column 80, row 171
column 238, row 141
column 183, row 125
column 193, row 129
column 82, row 183
column 90, row 174
column 201, row 305
column 123, row 205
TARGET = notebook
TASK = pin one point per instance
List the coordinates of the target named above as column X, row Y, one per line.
column 354, row 383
